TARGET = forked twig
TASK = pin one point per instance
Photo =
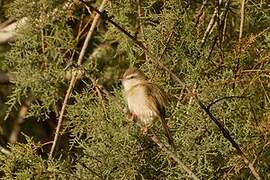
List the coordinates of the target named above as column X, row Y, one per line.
column 74, row 77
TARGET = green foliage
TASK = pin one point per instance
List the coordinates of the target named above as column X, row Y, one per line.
column 25, row 162
column 97, row 141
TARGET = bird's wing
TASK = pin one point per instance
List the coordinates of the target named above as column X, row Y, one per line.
column 156, row 101
column 156, row 98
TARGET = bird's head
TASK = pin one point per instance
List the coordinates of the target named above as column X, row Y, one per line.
column 132, row 77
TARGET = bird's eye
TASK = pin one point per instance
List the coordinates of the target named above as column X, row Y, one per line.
column 131, row 77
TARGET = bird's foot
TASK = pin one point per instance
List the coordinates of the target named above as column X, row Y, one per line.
column 144, row 130
column 131, row 117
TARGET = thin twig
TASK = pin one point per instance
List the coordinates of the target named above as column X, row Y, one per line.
column 209, row 27
column 191, row 98
column 93, row 172
column 138, row 22
column 160, row 55
column 4, row 151
column 212, row 48
column 242, row 12
column 42, row 40
column 200, row 13
column 74, row 76
column 57, row 131
column 90, row 32
column 220, row 99
column 224, row 26
column 140, row 25
column 154, row 138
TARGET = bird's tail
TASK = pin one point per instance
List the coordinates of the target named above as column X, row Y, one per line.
column 168, row 133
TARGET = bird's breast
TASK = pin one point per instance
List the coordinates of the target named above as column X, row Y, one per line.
column 138, row 104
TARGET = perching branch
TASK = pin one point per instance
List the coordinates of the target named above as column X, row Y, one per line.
column 74, row 76
column 154, row 138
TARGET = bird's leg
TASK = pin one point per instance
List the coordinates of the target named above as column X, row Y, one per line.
column 131, row 117
column 144, row 130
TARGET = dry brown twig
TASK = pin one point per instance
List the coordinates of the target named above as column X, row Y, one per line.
column 200, row 13
column 140, row 25
column 74, row 76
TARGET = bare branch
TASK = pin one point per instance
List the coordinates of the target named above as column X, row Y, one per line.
column 154, row 138
column 209, row 27
column 74, row 77
column 140, row 25
column 242, row 20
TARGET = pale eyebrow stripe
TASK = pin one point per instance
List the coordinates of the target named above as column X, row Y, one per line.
column 130, row 76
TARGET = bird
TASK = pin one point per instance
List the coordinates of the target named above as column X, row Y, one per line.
column 145, row 100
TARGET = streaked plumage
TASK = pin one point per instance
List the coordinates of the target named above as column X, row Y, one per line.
column 145, row 100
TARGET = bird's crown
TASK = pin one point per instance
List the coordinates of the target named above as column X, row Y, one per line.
column 133, row 73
